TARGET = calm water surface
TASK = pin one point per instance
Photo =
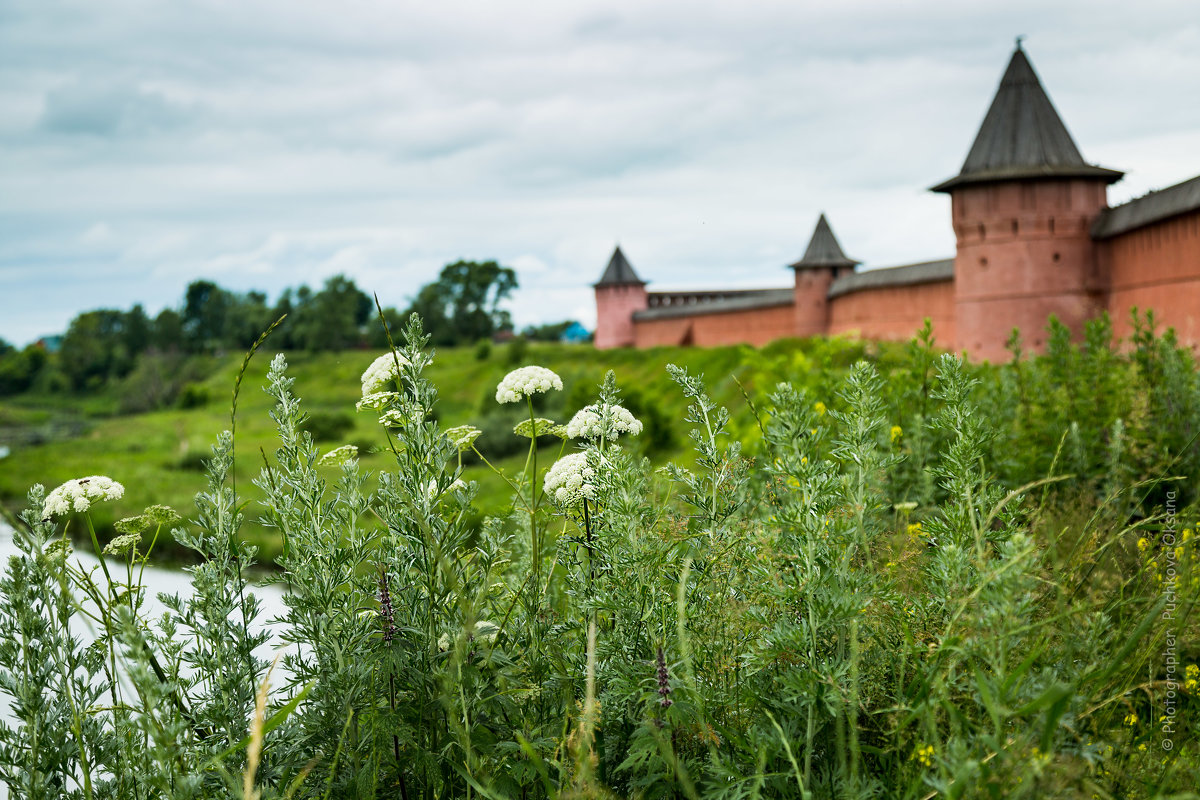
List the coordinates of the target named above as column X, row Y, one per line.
column 157, row 580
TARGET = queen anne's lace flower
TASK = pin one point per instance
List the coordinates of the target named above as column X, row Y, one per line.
column 79, row 494
column 590, row 423
column 376, row 400
column 530, row 428
column 431, row 491
column 526, row 381
column 463, row 436
column 569, row 480
column 381, row 373
column 338, row 456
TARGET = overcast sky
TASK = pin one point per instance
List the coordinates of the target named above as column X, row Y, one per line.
column 268, row 143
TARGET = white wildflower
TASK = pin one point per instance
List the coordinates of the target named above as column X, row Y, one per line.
column 396, row 417
column 376, row 400
column 483, row 631
column 431, row 490
column 463, row 436
column 339, row 455
column 531, row 428
column 79, row 494
column 381, row 373
column 569, row 480
column 526, row 381
column 594, row 421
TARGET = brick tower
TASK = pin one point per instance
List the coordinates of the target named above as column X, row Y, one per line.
column 619, row 293
column 822, row 262
column 1021, row 207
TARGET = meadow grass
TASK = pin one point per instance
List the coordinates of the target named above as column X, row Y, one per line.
column 159, row 455
column 898, row 576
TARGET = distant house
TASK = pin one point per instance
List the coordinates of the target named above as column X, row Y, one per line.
column 51, row 344
column 1035, row 237
column 575, row 334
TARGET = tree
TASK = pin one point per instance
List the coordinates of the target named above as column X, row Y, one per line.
column 463, row 304
column 136, row 331
column 94, row 348
column 333, row 318
column 168, row 331
column 19, row 368
column 206, row 309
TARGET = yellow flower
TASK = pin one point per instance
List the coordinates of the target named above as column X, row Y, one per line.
column 819, row 407
column 1131, row 719
column 1143, row 544
column 923, row 755
column 915, row 531
column 897, row 432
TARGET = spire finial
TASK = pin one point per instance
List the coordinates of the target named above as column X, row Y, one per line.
column 1020, row 39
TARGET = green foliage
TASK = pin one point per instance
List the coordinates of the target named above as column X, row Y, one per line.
column 463, row 304
column 327, row 426
column 96, row 347
column 20, row 368
column 858, row 584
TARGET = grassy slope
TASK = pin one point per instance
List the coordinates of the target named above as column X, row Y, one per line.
column 144, row 451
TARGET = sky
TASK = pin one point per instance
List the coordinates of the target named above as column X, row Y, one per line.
column 264, row 144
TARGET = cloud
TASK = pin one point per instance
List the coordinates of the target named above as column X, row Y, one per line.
column 272, row 142
column 99, row 108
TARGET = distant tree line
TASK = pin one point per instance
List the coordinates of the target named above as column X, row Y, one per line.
column 462, row 306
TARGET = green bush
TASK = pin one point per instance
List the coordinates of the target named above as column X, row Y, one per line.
column 327, row 426
column 875, row 589
column 193, row 395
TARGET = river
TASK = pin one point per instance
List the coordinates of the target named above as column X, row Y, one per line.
column 157, row 580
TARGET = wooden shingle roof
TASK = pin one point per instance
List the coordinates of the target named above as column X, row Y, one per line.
column 1023, row 137
column 823, row 250
column 1147, row 209
column 619, row 272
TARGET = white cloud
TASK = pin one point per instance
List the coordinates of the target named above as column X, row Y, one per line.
column 267, row 143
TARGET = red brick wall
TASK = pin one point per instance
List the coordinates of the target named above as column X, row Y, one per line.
column 1156, row 267
column 756, row 327
column 1024, row 253
column 614, row 314
column 811, row 306
column 895, row 313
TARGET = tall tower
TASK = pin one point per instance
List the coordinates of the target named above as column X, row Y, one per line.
column 1021, row 208
column 822, row 262
column 619, row 293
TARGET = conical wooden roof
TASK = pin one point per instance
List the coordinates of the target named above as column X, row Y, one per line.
column 823, row 249
column 619, row 271
column 1022, row 136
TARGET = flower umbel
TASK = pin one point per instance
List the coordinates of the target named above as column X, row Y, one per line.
column 463, row 436
column 339, row 455
column 568, row 481
column 526, row 381
column 79, row 494
column 381, row 373
column 610, row 421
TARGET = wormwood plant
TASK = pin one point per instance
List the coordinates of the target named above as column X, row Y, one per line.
column 879, row 595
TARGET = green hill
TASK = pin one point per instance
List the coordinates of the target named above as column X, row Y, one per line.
column 158, row 456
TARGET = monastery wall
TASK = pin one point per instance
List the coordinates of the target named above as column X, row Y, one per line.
column 1156, row 267
column 755, row 327
column 895, row 313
